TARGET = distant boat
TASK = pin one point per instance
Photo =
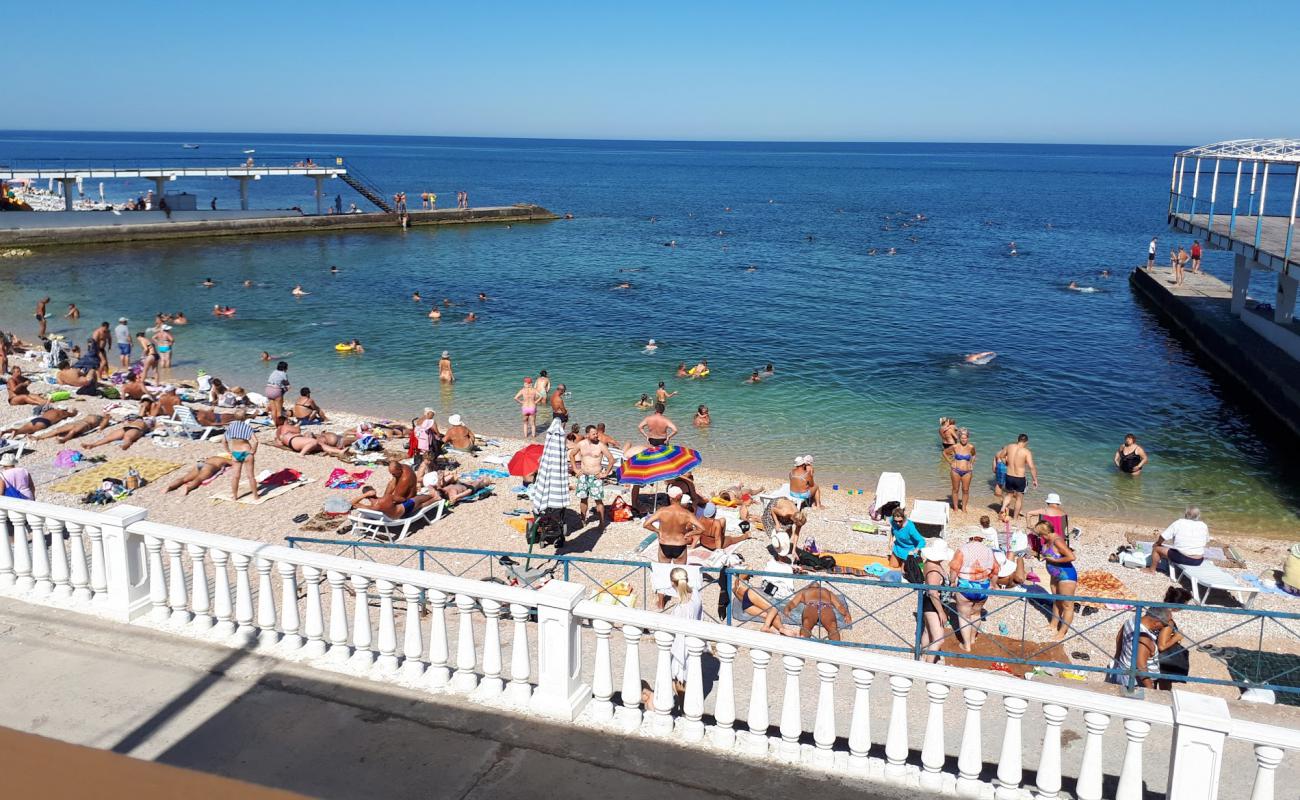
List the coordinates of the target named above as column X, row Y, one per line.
column 189, row 147
column 249, row 152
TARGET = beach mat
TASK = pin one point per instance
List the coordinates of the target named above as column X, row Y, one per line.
column 323, row 522
column 250, row 500
column 1100, row 583
column 86, row 481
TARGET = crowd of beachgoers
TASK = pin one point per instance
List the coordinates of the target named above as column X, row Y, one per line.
column 271, row 461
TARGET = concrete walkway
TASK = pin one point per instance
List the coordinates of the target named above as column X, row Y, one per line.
column 186, row 703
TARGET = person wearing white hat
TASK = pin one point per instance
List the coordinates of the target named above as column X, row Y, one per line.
column 445, row 374
column 458, row 435
column 803, row 483
column 15, row 481
column 122, row 336
column 1054, row 514
column 935, row 554
column 165, row 342
column 650, row 346
column 971, row 568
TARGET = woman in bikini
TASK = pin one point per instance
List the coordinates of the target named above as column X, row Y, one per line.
column 83, row 426
column 242, row 444
column 821, row 607
column 932, row 610
column 289, row 436
column 756, row 604
column 148, row 359
column 132, row 431
column 528, row 397
column 961, row 469
column 947, row 434
column 203, row 470
column 47, row 418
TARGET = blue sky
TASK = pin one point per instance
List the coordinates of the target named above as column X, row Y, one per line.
column 1131, row 72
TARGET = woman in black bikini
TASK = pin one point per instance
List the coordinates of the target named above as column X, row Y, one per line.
column 132, row 431
column 962, row 467
column 1130, row 457
column 932, row 612
column 756, row 604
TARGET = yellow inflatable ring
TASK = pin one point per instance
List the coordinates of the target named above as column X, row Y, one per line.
column 343, row 348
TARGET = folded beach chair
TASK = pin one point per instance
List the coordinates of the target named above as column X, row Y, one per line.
column 183, row 422
column 1208, row 576
column 377, row 525
column 930, row 517
column 15, row 446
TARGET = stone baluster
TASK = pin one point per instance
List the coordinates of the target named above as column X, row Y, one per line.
column 860, row 722
column 22, row 552
column 520, row 691
column 290, row 639
column 222, row 610
column 386, row 664
column 661, row 723
column 177, row 591
column 314, row 623
column 492, row 684
column 60, row 575
column 40, row 555
column 757, row 717
column 98, row 564
column 602, row 678
column 1267, row 759
column 339, row 651
column 932, row 756
column 970, row 758
column 6, row 552
column 199, row 601
column 157, row 580
column 628, row 714
column 1130, row 774
column 1009, row 762
column 824, row 723
column 693, row 703
column 791, row 715
column 724, row 706
column 412, row 638
column 267, row 635
column 464, row 679
column 896, row 734
column 244, row 630
column 1090, row 775
column 79, row 569
column 439, row 672
column 1049, row 762
column 362, row 656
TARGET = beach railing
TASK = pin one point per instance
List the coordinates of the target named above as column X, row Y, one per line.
column 885, row 615
column 847, row 711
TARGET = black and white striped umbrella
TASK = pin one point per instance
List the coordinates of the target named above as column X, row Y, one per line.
column 551, row 489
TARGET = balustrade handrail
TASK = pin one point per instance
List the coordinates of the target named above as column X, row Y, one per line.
column 77, row 516
column 993, row 683
column 1265, row 734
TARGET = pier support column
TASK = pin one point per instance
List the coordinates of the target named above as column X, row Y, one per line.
column 243, row 193
column 68, row 185
column 160, row 184
column 320, row 193
column 1284, row 308
column 1240, row 284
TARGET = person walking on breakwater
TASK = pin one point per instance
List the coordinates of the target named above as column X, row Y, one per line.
column 1020, row 467
column 528, row 398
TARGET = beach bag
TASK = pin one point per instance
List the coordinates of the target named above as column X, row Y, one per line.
column 814, row 561
column 619, row 511
column 914, row 569
column 109, row 393
column 62, row 394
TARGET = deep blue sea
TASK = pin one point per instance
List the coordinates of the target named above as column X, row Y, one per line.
column 772, row 264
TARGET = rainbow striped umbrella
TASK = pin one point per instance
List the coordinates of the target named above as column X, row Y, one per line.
column 658, row 464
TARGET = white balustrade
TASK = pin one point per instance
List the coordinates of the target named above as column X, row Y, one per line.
column 289, row 620
column 40, row 556
column 896, row 734
column 932, row 757
column 267, row 634
column 6, row 551
column 386, row 664
column 439, row 673
column 412, row 640
column 661, row 722
column 629, row 711
column 177, row 591
column 791, row 718
column 757, row 718
column 339, row 651
column 199, row 604
column 79, row 572
column 60, row 576
column 1130, row 775
column 1267, row 760
column 314, row 625
column 492, row 684
column 602, row 678
column 222, row 609
column 860, row 723
column 22, row 552
column 1049, row 760
column 824, row 724
column 98, row 563
column 520, row 691
column 157, row 580
column 244, row 630
column 693, row 703
column 1090, row 775
column 361, row 631
column 1009, row 762
column 464, row 679
column 724, row 709
column 970, row 759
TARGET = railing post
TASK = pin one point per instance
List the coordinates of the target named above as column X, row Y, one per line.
column 932, row 756
column 791, row 715
column 824, row 723
column 127, row 595
column 6, row 551
column 492, row 684
column 602, row 678
column 1266, row 762
column 1201, row 726
column 1009, row 763
column 970, row 759
column 757, row 719
column 439, row 672
column 692, row 725
column 560, row 691
column 412, row 637
column 40, row 556
column 628, row 714
column 1130, row 776
column 661, row 719
column 1049, row 761
column 724, row 704
column 896, row 734
column 1088, row 786
column 519, row 690
column 860, row 722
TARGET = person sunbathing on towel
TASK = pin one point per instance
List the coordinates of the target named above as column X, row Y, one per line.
column 132, row 431
column 88, row 424
column 756, row 604
column 289, row 436
column 134, row 388
column 452, row 486
column 336, row 444
column 48, row 417
column 393, row 509
column 71, row 376
column 19, row 393
column 820, row 606
column 202, row 471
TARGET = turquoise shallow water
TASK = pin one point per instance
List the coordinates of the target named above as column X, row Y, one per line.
column 867, row 348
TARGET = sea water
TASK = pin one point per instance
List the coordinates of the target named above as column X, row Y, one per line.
column 771, row 263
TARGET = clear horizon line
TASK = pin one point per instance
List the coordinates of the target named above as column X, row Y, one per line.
column 681, row 140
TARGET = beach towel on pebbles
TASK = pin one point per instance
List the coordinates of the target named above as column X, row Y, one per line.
column 151, row 469
column 269, row 486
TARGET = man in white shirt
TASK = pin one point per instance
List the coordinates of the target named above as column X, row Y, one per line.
column 1183, row 542
column 1151, row 254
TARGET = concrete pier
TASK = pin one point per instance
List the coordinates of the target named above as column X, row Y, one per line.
column 1201, row 312
column 28, row 228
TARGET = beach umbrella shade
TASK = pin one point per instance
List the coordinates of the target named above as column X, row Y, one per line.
column 551, row 489
column 525, row 461
column 658, row 464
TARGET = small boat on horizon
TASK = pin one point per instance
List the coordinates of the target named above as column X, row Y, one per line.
column 249, row 152
column 189, row 147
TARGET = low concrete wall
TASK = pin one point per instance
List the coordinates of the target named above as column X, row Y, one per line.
column 184, row 226
column 1257, row 370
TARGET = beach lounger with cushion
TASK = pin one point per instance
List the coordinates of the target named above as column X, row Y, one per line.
column 377, row 525
column 15, row 446
column 182, row 421
column 1208, row 576
column 931, row 514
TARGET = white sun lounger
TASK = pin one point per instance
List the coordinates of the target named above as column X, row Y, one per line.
column 1209, row 576
column 930, row 513
column 377, row 525
column 183, row 421
column 15, row 446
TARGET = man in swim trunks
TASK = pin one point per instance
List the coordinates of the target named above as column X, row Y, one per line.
column 48, row 417
column 19, row 393
column 403, row 484
column 206, row 417
column 592, row 463
column 391, row 508
column 1019, row 460
column 674, row 524
column 203, row 470
column 89, row 424
column 662, row 394
column 803, row 483
column 558, row 409
column 122, row 336
column 657, row 428
column 818, row 605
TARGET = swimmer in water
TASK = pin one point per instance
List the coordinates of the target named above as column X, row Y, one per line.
column 416, row 296
column 681, row 370
column 482, row 298
column 981, row 358
column 298, row 291
column 650, row 346
column 355, row 344
column 623, row 285
column 751, row 268
column 446, row 301
column 334, row 270
column 435, row 314
column 892, row 251
column 644, row 402
column 1077, row 288
column 471, row 317
column 871, row 252
column 1105, row 273
column 768, row 371
column 753, row 377
column 248, row 284
column 208, row 282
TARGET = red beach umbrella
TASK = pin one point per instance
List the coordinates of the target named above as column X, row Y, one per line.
column 525, row 461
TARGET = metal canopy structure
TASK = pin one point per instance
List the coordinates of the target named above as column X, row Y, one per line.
column 1284, row 151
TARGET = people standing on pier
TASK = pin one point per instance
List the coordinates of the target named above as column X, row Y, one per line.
column 1151, row 254
column 1180, row 266
column 1196, row 257
column 1019, row 460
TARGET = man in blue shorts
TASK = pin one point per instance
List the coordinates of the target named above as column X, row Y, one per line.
column 122, row 335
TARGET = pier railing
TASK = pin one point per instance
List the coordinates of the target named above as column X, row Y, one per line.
column 1242, row 639
column 551, row 652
